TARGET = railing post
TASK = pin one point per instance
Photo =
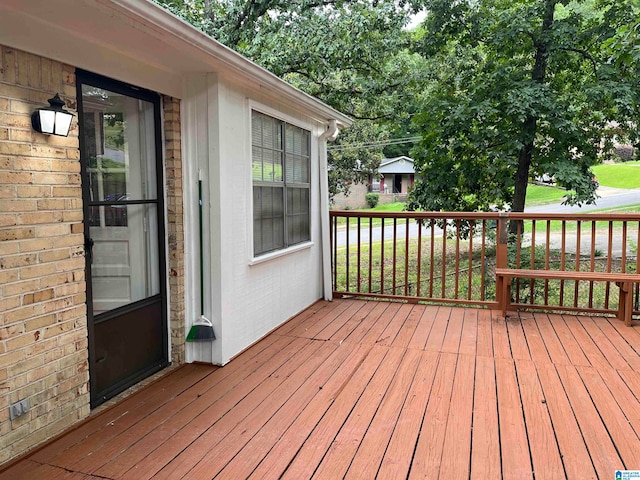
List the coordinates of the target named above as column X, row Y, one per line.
column 502, row 258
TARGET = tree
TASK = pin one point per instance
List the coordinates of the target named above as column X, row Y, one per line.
column 351, row 54
column 355, row 156
column 520, row 88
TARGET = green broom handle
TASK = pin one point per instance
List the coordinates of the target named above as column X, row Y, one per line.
column 201, row 246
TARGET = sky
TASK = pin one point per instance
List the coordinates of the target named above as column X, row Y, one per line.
column 415, row 20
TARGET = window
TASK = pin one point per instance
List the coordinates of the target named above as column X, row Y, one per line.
column 281, row 184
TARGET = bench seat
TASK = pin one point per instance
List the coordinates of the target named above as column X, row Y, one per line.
column 624, row 281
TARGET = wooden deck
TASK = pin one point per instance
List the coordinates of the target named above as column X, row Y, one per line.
column 356, row 389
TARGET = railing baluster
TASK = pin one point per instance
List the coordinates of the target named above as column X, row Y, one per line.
column 518, row 257
column 444, row 259
column 370, row 252
column 578, row 251
column 547, row 254
column 609, row 257
column 406, row 258
column 358, row 277
column 346, row 250
column 332, row 249
column 431, row 274
column 623, row 258
column 592, row 264
column 563, row 253
column 382, row 256
column 418, row 277
column 470, row 279
column 533, row 257
column 395, row 263
column 483, row 260
column 457, row 269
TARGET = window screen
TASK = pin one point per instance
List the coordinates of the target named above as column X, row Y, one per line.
column 281, row 184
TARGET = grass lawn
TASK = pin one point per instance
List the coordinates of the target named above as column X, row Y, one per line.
column 543, row 195
column 618, row 175
column 536, row 195
column 388, row 207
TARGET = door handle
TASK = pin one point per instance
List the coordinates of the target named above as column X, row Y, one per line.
column 88, row 248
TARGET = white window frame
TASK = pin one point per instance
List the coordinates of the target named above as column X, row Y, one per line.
column 296, row 122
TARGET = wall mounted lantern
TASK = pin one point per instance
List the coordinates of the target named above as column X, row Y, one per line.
column 53, row 120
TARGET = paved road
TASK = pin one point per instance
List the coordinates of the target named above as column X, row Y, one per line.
column 609, row 198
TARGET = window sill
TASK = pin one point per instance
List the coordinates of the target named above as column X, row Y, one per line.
column 280, row 253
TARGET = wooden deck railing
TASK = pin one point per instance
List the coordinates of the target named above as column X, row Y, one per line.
column 452, row 257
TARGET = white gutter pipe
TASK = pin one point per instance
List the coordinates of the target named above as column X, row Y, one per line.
column 329, row 136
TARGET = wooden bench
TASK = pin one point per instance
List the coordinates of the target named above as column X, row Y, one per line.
column 624, row 281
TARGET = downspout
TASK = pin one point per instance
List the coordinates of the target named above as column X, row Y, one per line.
column 329, row 136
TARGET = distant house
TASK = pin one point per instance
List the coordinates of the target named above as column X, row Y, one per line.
column 100, row 262
column 394, row 179
column 396, row 176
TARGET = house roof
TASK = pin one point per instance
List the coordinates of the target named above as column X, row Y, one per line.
column 401, row 164
column 141, row 43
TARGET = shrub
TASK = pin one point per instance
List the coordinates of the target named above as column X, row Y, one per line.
column 372, row 199
column 624, row 153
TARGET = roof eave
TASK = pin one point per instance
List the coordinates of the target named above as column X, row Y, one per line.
column 158, row 17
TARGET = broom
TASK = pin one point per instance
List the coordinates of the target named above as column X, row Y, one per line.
column 202, row 328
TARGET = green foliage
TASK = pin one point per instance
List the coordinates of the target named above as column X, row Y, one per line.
column 372, row 199
column 352, row 54
column 499, row 91
column 520, row 89
column 350, row 160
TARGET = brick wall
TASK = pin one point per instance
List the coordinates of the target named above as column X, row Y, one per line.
column 175, row 227
column 355, row 199
column 43, row 331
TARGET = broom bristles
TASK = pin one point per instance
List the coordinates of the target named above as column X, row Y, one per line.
column 201, row 331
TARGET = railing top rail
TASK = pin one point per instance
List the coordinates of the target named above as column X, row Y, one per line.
column 588, row 217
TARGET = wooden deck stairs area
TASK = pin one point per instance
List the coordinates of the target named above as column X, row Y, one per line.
column 366, row 389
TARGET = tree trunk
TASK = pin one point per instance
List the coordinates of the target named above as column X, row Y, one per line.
column 529, row 127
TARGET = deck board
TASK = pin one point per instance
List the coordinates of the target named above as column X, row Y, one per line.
column 575, row 456
column 552, row 343
column 338, row 457
column 545, row 453
column 423, row 329
column 453, row 335
column 428, row 451
column 456, row 454
column 484, row 342
column 469, row 336
column 515, row 453
column 367, row 389
column 602, row 451
column 439, row 330
column 396, row 462
column 485, row 454
column 366, row 462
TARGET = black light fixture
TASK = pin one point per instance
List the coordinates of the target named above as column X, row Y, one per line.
column 53, row 120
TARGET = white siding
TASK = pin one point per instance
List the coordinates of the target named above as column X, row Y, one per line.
column 245, row 299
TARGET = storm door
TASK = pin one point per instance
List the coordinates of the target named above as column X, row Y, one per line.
column 124, row 233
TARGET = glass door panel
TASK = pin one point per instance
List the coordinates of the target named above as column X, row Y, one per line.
column 120, row 144
column 124, row 230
